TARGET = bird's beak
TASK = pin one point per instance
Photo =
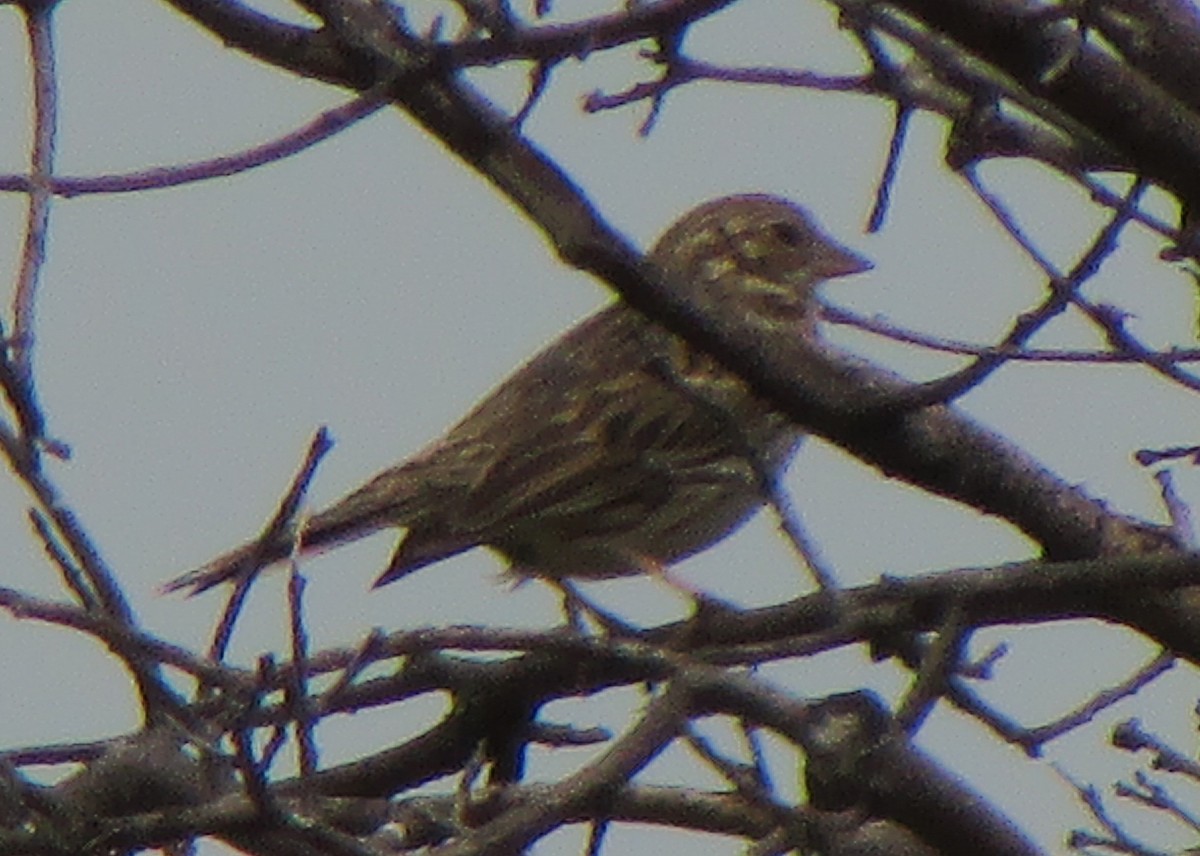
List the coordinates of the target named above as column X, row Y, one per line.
column 840, row 261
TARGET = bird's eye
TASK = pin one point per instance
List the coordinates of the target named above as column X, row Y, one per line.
column 787, row 234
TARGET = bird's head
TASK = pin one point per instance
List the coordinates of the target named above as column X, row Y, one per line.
column 754, row 253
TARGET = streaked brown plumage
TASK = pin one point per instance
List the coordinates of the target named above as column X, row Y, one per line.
column 618, row 448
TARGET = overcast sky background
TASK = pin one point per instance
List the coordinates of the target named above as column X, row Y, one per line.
column 191, row 340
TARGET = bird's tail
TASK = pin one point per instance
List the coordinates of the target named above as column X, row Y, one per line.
column 393, row 498
column 237, row 564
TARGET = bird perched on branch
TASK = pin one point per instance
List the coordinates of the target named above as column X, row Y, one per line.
column 620, row 448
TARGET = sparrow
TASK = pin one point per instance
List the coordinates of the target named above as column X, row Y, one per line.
column 618, row 449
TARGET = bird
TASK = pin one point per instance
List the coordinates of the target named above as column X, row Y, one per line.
column 620, row 448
